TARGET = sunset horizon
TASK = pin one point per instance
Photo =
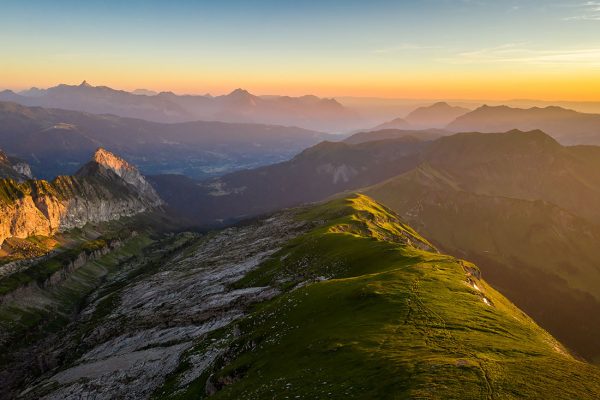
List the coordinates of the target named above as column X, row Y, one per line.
column 546, row 50
column 309, row 199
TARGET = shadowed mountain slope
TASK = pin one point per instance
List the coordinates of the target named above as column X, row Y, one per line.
column 320, row 171
column 58, row 142
column 567, row 126
column 523, row 207
column 518, row 202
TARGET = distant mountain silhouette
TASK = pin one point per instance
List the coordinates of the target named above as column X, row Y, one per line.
column 396, row 123
column 437, row 115
column 308, row 112
column 144, row 92
column 567, row 126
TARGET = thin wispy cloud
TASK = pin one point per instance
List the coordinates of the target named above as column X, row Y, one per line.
column 520, row 53
column 588, row 11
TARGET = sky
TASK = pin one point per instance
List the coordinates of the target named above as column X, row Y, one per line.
column 452, row 49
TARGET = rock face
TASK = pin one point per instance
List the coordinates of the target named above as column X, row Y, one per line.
column 105, row 189
column 156, row 318
column 14, row 168
column 105, row 163
column 24, row 169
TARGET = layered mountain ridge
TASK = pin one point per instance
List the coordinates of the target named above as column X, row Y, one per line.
column 567, row 126
column 57, row 142
column 308, row 112
column 104, row 189
column 520, row 203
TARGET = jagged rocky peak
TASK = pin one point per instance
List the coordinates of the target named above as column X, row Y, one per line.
column 105, row 189
column 107, row 161
column 111, row 161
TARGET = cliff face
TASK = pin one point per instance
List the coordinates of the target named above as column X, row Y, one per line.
column 105, row 189
column 108, row 163
column 14, row 168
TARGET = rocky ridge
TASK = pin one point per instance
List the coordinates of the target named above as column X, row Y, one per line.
column 160, row 315
column 105, row 189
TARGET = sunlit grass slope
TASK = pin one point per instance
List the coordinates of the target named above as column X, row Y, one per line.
column 370, row 310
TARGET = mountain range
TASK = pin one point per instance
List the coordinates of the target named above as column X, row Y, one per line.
column 567, row 126
column 338, row 270
column 239, row 106
column 437, row 115
column 507, row 200
column 434, row 116
column 57, row 142
column 523, row 207
column 320, row 171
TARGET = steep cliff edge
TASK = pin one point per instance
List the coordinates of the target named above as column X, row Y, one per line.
column 105, row 189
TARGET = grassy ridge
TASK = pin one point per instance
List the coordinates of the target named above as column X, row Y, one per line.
column 391, row 321
column 544, row 258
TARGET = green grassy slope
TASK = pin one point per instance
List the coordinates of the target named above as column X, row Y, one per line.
column 370, row 310
column 542, row 257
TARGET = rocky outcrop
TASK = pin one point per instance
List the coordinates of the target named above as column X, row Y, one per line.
column 69, row 261
column 135, row 340
column 107, row 161
column 23, row 168
column 14, row 168
column 105, row 189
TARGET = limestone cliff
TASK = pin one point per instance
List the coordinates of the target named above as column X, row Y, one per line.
column 13, row 168
column 105, row 189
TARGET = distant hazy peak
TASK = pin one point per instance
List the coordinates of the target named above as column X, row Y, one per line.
column 144, row 92
column 239, row 92
column 436, row 115
column 85, row 84
column 440, row 105
column 487, row 108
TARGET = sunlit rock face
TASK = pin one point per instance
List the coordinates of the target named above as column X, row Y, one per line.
column 108, row 161
column 105, row 189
